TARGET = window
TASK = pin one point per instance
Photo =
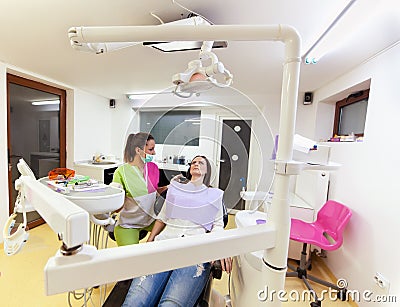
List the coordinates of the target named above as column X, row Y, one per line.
column 172, row 127
column 350, row 114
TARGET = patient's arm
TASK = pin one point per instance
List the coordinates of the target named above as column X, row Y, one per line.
column 226, row 264
column 157, row 228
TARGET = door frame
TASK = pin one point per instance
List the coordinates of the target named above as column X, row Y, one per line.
column 218, row 134
column 11, row 78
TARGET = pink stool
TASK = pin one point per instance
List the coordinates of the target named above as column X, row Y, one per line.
column 327, row 233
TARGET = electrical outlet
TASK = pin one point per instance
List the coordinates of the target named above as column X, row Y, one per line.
column 381, row 281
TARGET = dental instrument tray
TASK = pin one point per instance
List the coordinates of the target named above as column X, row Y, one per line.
column 94, row 199
column 76, row 183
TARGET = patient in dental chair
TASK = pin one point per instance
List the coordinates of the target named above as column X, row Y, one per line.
column 190, row 209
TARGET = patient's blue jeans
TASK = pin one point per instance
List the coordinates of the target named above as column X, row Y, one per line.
column 180, row 287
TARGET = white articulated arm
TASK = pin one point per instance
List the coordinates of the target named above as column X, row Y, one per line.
column 69, row 221
column 96, row 267
column 76, row 40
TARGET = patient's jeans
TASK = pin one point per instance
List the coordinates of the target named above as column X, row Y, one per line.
column 180, row 287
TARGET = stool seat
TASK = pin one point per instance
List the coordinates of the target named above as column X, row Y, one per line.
column 312, row 233
column 327, row 233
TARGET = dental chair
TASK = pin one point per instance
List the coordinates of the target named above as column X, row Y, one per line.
column 118, row 293
column 327, row 233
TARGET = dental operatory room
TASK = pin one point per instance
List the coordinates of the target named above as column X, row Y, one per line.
column 199, row 153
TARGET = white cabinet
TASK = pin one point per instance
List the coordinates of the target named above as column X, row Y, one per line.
column 312, row 187
column 100, row 172
column 308, row 195
column 311, row 192
column 301, row 210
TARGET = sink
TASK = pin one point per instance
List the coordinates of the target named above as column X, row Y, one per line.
column 247, row 218
column 253, row 195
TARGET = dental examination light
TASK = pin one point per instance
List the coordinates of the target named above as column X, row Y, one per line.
column 191, row 82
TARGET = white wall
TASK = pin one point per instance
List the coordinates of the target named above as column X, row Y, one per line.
column 92, row 125
column 121, row 118
column 368, row 181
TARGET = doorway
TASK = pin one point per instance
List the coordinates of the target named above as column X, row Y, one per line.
column 36, row 129
column 234, row 160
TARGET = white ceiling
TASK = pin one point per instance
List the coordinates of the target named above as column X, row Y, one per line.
column 34, row 38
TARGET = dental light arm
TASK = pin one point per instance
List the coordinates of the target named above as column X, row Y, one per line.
column 100, row 48
column 78, row 41
column 95, row 47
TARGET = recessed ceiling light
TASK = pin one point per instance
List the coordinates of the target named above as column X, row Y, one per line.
column 45, row 102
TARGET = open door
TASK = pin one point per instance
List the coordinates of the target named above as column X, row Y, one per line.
column 36, row 133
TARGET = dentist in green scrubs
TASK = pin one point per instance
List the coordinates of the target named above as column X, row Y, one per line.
column 140, row 183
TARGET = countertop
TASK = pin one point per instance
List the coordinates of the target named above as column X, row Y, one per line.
column 88, row 163
column 161, row 165
column 172, row 167
column 46, row 154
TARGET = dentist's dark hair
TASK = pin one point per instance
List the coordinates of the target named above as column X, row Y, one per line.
column 134, row 140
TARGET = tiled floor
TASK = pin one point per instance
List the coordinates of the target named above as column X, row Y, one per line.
column 22, row 278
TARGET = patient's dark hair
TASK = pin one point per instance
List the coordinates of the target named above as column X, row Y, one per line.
column 135, row 140
column 207, row 177
column 150, row 137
